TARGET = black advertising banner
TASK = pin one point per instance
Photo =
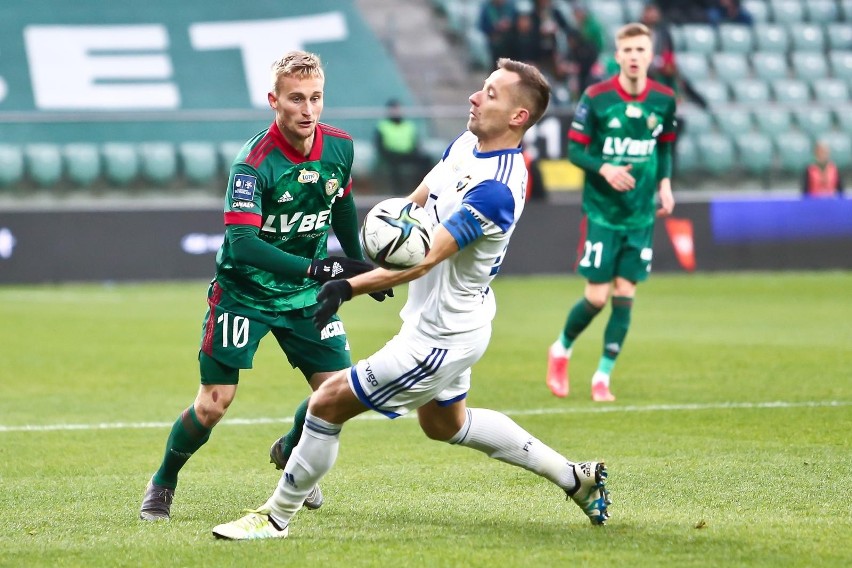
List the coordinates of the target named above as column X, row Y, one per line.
column 179, row 244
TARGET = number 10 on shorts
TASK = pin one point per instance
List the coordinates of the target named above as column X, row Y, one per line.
column 239, row 330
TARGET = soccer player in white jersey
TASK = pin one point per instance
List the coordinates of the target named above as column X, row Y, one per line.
column 475, row 196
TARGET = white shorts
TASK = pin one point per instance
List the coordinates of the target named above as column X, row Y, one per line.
column 407, row 373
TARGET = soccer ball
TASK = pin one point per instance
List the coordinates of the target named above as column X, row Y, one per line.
column 396, row 233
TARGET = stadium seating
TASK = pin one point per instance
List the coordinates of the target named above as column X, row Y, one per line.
column 806, row 37
column 750, row 91
column 365, row 159
column 609, row 12
column 693, row 66
column 758, row 9
column 840, row 144
column 697, row 121
column 735, row 37
column 769, row 65
column 841, row 64
column 716, row 152
column 11, row 164
column 771, row 37
column 790, row 91
column 82, row 163
column 754, row 151
column 730, row 67
column 477, row 47
column 228, row 153
column 821, row 11
column 716, row 92
column 198, row 162
column 839, row 36
column 158, row 162
column 686, row 159
column 121, row 162
column 734, row 121
column 813, row 121
column 794, row 151
column 43, row 163
column 844, row 121
column 773, row 120
column 809, row 65
column 787, row 11
column 633, row 9
column 831, row 91
column 699, row 37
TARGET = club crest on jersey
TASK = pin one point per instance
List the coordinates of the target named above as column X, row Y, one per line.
column 633, row 111
column 463, row 183
column 243, row 187
column 307, row 176
column 653, row 121
column 331, row 186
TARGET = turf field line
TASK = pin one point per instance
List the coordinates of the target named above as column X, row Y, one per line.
column 528, row 412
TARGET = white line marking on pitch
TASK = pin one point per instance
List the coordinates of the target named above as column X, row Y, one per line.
column 533, row 412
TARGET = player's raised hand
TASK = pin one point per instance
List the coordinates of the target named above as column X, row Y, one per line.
column 337, row 268
column 618, row 177
column 330, row 297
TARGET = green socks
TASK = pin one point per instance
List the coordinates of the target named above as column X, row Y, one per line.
column 291, row 438
column 579, row 318
column 186, row 437
column 615, row 332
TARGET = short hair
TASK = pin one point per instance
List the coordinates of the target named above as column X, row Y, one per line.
column 632, row 30
column 300, row 64
column 535, row 90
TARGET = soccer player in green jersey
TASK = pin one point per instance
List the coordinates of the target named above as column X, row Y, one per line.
column 621, row 136
column 287, row 187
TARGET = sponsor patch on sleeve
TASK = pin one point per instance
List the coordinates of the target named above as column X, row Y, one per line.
column 581, row 113
column 243, row 188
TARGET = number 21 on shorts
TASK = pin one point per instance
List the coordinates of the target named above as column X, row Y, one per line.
column 592, row 254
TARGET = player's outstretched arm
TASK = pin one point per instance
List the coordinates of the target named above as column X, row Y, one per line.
column 334, row 293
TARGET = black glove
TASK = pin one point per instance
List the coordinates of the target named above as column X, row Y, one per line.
column 330, row 297
column 382, row 294
column 337, row 268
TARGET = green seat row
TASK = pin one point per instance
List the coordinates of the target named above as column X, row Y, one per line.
column 757, row 153
column 116, row 163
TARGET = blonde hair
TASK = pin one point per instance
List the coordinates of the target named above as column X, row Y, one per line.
column 632, row 30
column 300, row 64
column 534, row 88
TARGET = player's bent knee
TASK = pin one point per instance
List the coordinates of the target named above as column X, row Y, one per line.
column 212, row 402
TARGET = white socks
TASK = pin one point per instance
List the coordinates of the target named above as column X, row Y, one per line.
column 600, row 377
column 501, row 438
column 311, row 459
column 558, row 350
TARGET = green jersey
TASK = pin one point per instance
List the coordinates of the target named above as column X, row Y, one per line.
column 614, row 127
column 289, row 197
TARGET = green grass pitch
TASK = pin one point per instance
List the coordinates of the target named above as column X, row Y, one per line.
column 730, row 442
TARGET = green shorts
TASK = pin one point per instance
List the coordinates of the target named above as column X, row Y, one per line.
column 605, row 253
column 232, row 331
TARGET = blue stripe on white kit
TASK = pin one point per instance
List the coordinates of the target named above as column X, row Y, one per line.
column 427, row 368
column 320, row 428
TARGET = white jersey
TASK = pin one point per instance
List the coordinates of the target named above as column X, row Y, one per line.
column 478, row 198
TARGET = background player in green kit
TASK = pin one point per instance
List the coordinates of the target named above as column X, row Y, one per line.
column 287, row 187
column 622, row 137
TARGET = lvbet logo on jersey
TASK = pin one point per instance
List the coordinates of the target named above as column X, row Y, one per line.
column 618, row 146
column 303, row 223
